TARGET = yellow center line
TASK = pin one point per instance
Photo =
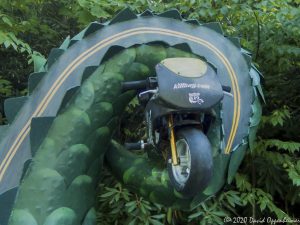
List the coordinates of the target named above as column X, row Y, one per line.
column 100, row 45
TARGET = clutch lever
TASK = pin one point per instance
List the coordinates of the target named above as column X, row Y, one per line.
column 227, row 90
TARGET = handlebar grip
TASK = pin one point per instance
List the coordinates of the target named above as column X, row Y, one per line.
column 133, row 146
column 226, row 88
column 134, row 85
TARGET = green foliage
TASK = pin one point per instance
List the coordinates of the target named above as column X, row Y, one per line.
column 118, row 206
column 277, row 117
column 28, row 30
column 268, row 181
column 291, row 147
column 294, row 172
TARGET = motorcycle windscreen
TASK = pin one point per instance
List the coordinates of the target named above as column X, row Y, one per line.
column 188, row 83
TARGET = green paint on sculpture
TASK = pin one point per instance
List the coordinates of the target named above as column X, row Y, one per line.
column 142, row 175
column 80, row 135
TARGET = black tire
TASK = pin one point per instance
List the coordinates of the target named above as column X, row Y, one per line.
column 200, row 160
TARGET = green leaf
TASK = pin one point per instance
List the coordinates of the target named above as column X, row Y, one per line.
column 242, row 182
column 169, row 215
column 195, row 215
column 83, row 3
column 108, row 194
column 291, row 147
column 155, row 222
column 278, row 117
column 7, row 43
column 233, row 198
column 159, row 216
column 294, row 173
column 220, row 213
column 132, row 222
column 7, row 21
column 128, row 204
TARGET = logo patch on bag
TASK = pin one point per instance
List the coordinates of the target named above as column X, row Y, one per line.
column 195, row 98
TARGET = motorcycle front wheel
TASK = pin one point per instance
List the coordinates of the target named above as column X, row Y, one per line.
column 194, row 171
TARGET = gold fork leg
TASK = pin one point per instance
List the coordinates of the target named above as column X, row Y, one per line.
column 172, row 141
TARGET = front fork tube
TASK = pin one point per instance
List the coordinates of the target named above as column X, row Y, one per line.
column 172, row 141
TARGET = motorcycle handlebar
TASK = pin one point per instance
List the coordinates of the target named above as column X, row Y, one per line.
column 148, row 83
column 134, row 146
column 134, row 85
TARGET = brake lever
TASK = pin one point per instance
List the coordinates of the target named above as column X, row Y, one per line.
column 227, row 90
column 228, row 94
column 153, row 91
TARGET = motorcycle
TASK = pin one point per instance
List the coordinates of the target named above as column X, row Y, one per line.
column 178, row 112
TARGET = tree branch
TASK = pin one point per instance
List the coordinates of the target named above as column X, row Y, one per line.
column 258, row 35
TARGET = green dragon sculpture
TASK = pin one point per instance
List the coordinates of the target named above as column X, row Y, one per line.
column 53, row 149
